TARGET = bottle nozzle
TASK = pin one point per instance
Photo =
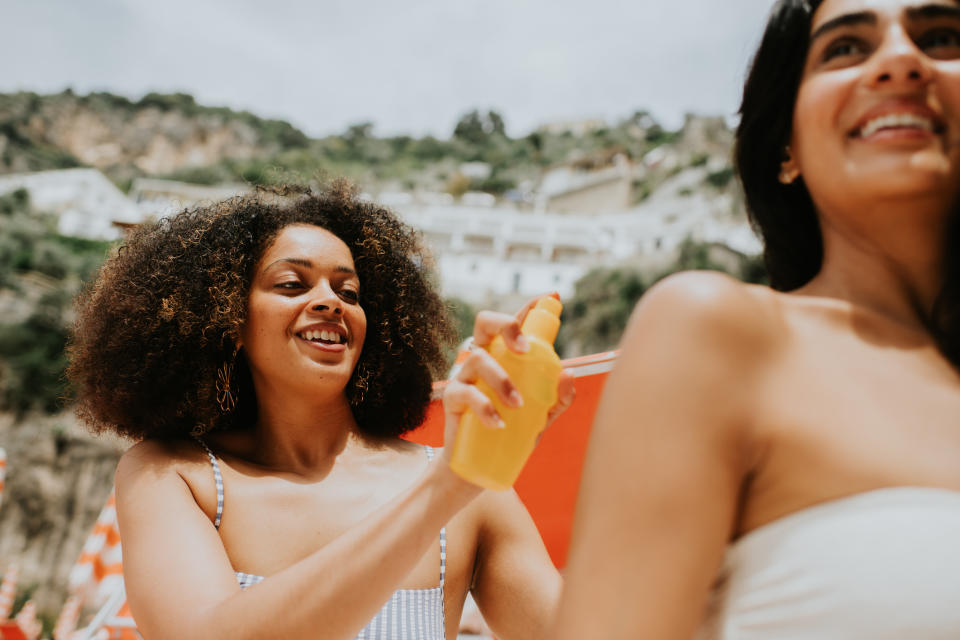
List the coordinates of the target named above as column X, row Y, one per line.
column 543, row 321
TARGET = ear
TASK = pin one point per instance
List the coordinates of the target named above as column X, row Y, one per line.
column 789, row 169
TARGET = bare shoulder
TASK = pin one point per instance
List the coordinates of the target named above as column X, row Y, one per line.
column 152, row 457
column 698, row 341
column 711, row 311
column 183, row 464
column 155, row 472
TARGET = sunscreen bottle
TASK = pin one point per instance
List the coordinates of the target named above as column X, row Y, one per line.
column 491, row 457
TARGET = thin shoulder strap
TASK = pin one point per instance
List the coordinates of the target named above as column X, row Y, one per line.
column 217, row 479
column 443, row 532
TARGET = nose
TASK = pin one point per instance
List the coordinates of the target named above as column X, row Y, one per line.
column 325, row 299
column 898, row 63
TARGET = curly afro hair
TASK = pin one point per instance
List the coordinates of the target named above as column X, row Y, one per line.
column 165, row 312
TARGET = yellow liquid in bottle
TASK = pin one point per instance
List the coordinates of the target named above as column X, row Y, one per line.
column 493, row 458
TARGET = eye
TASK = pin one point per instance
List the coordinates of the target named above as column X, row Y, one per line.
column 350, row 295
column 943, row 42
column 290, row 285
column 844, row 48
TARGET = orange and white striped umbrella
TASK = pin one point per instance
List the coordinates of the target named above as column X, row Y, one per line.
column 122, row 627
column 68, row 618
column 99, row 571
column 27, row 621
column 8, row 590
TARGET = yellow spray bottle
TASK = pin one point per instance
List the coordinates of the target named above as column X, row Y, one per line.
column 493, row 458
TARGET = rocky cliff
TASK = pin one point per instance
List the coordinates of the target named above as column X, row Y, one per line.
column 58, row 478
column 159, row 134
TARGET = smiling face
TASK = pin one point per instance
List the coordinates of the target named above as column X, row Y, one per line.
column 304, row 322
column 878, row 109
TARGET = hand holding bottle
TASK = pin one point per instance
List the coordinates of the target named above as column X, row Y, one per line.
column 505, row 394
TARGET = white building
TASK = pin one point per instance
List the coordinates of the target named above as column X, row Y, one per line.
column 156, row 198
column 86, row 203
column 486, row 254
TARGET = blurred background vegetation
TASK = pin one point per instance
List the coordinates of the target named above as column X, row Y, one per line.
column 40, row 273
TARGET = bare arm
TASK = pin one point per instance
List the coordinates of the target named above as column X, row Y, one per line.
column 667, row 457
column 181, row 584
column 516, row 587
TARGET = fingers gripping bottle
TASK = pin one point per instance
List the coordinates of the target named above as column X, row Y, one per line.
column 493, row 458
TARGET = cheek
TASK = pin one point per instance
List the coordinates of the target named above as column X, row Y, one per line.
column 360, row 328
column 812, row 120
column 825, row 108
column 262, row 321
column 950, row 101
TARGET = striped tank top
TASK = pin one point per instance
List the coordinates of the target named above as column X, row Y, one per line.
column 409, row 613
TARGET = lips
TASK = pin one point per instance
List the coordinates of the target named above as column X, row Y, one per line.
column 330, row 335
column 904, row 117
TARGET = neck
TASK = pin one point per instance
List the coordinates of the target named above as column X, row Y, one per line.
column 889, row 261
column 302, row 434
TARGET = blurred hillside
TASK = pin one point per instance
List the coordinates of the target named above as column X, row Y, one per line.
column 172, row 136
column 158, row 134
column 517, row 215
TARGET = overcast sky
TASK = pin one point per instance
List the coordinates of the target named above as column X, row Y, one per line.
column 409, row 66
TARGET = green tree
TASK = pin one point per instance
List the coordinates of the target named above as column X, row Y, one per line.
column 45, row 270
column 478, row 129
column 463, row 314
column 358, row 133
column 33, row 359
column 596, row 315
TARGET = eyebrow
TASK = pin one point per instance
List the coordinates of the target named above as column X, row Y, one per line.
column 924, row 12
column 846, row 20
column 308, row 264
column 931, row 11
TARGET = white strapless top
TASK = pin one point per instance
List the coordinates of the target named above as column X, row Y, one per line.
column 881, row 564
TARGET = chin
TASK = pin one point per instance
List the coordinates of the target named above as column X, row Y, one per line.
column 908, row 186
column 915, row 177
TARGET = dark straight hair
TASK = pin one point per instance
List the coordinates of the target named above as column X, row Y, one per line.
column 784, row 215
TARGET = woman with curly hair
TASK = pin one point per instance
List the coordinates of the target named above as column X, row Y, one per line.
column 267, row 351
column 785, row 463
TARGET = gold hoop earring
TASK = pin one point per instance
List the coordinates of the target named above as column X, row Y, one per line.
column 787, row 177
column 226, row 397
column 788, row 173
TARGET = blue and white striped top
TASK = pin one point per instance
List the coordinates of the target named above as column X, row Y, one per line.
column 409, row 614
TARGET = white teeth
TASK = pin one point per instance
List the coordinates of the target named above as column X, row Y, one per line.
column 896, row 120
column 326, row 336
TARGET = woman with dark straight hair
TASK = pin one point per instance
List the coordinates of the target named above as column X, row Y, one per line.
column 785, row 462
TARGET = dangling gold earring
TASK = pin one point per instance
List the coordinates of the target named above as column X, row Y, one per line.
column 788, row 169
column 226, row 397
column 787, row 177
